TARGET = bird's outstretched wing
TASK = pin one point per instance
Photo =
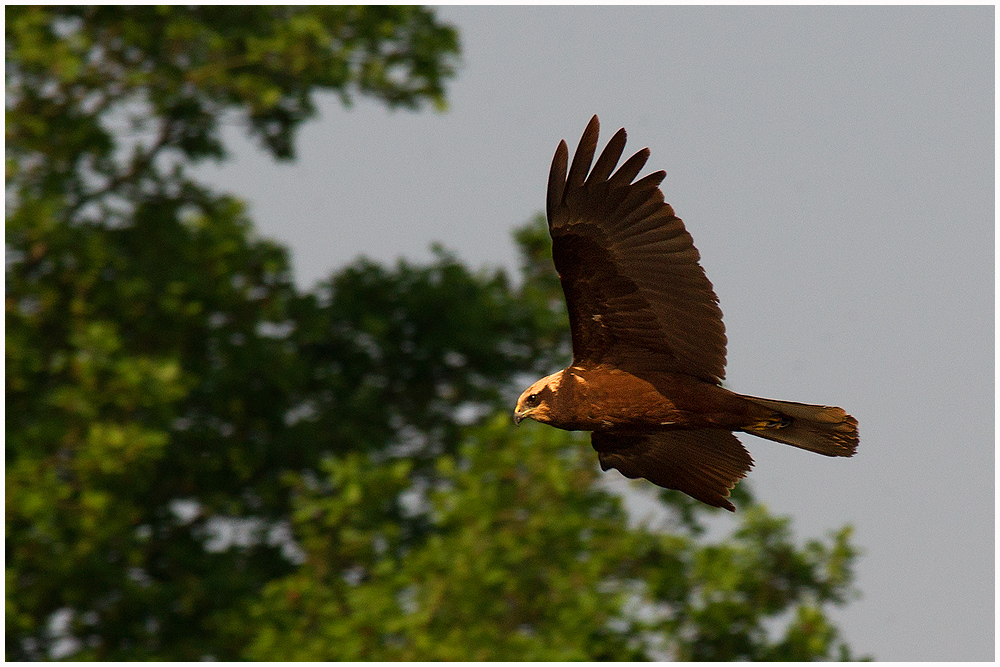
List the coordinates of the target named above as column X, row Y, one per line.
column 705, row 463
column 636, row 295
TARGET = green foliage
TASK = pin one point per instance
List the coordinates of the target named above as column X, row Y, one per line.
column 508, row 572
column 181, row 70
column 203, row 461
column 418, row 350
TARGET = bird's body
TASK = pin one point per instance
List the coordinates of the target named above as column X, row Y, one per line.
column 648, row 340
column 605, row 398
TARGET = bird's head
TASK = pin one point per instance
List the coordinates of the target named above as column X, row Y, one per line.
column 536, row 401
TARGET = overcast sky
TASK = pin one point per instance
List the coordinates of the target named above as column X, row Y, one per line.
column 836, row 169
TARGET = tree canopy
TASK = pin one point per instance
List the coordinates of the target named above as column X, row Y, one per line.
column 204, row 461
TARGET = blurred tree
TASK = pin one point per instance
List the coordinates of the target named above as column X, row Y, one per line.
column 203, row 462
column 150, row 376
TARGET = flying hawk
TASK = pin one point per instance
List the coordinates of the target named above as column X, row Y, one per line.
column 649, row 346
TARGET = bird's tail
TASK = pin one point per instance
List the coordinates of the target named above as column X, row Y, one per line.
column 822, row 429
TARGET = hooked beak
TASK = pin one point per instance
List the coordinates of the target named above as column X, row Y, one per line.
column 518, row 416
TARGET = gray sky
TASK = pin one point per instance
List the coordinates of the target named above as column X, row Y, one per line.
column 836, row 169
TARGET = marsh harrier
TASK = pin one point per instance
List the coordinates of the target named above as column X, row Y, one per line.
column 649, row 346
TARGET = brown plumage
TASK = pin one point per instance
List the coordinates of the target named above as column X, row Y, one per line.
column 649, row 346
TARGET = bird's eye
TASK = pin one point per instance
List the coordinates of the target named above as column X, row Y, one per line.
column 532, row 400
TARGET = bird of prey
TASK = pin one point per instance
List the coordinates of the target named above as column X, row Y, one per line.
column 649, row 346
